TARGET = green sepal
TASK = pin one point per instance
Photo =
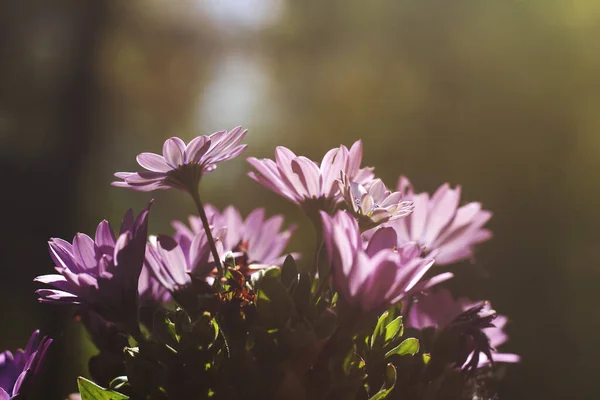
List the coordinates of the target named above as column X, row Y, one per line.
column 302, row 296
column 289, row 271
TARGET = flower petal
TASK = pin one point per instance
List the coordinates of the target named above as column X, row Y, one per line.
column 83, row 249
column 196, row 149
column 173, row 152
column 153, row 162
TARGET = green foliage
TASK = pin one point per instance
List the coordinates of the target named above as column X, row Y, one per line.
column 388, row 385
column 409, row 346
column 90, row 391
column 394, row 329
column 274, row 304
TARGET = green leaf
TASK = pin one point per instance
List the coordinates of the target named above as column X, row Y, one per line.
column 273, row 302
column 289, row 271
column 408, row 346
column 255, row 278
column 90, row 391
column 376, row 338
column 388, row 385
column 394, row 329
column 426, row 358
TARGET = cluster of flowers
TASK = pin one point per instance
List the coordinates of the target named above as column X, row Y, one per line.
column 217, row 301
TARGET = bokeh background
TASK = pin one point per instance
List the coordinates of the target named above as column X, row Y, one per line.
column 501, row 97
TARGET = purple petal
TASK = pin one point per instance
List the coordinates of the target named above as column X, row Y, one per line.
column 104, row 238
column 375, row 290
column 309, row 176
column 425, row 285
column 196, row 149
column 173, row 152
column 199, row 256
column 83, row 249
column 58, row 281
column 384, row 238
column 127, row 223
column 172, row 256
column 145, row 178
column 355, row 157
column 153, row 162
column 442, row 208
column 61, row 253
column 4, row 395
column 56, row 296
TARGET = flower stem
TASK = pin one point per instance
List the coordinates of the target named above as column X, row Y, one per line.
column 209, row 236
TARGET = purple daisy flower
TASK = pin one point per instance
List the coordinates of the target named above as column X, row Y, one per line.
column 375, row 277
column 440, row 226
column 101, row 273
column 259, row 240
column 373, row 204
column 22, row 366
column 172, row 261
column 438, row 309
column 305, row 182
column 182, row 166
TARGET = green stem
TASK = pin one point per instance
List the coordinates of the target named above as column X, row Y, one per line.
column 209, row 236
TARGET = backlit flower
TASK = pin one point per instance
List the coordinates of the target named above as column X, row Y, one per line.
column 101, row 273
column 182, row 166
column 373, row 203
column 375, row 277
column 16, row 370
column 259, row 240
column 438, row 309
column 439, row 225
column 307, row 183
column 173, row 262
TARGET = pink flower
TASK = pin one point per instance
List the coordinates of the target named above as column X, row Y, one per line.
column 372, row 277
column 260, row 240
column 373, row 204
column 305, row 182
column 438, row 309
column 440, row 226
column 173, row 261
column 182, row 166
column 101, row 273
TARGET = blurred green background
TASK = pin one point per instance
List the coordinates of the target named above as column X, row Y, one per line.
column 501, row 97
